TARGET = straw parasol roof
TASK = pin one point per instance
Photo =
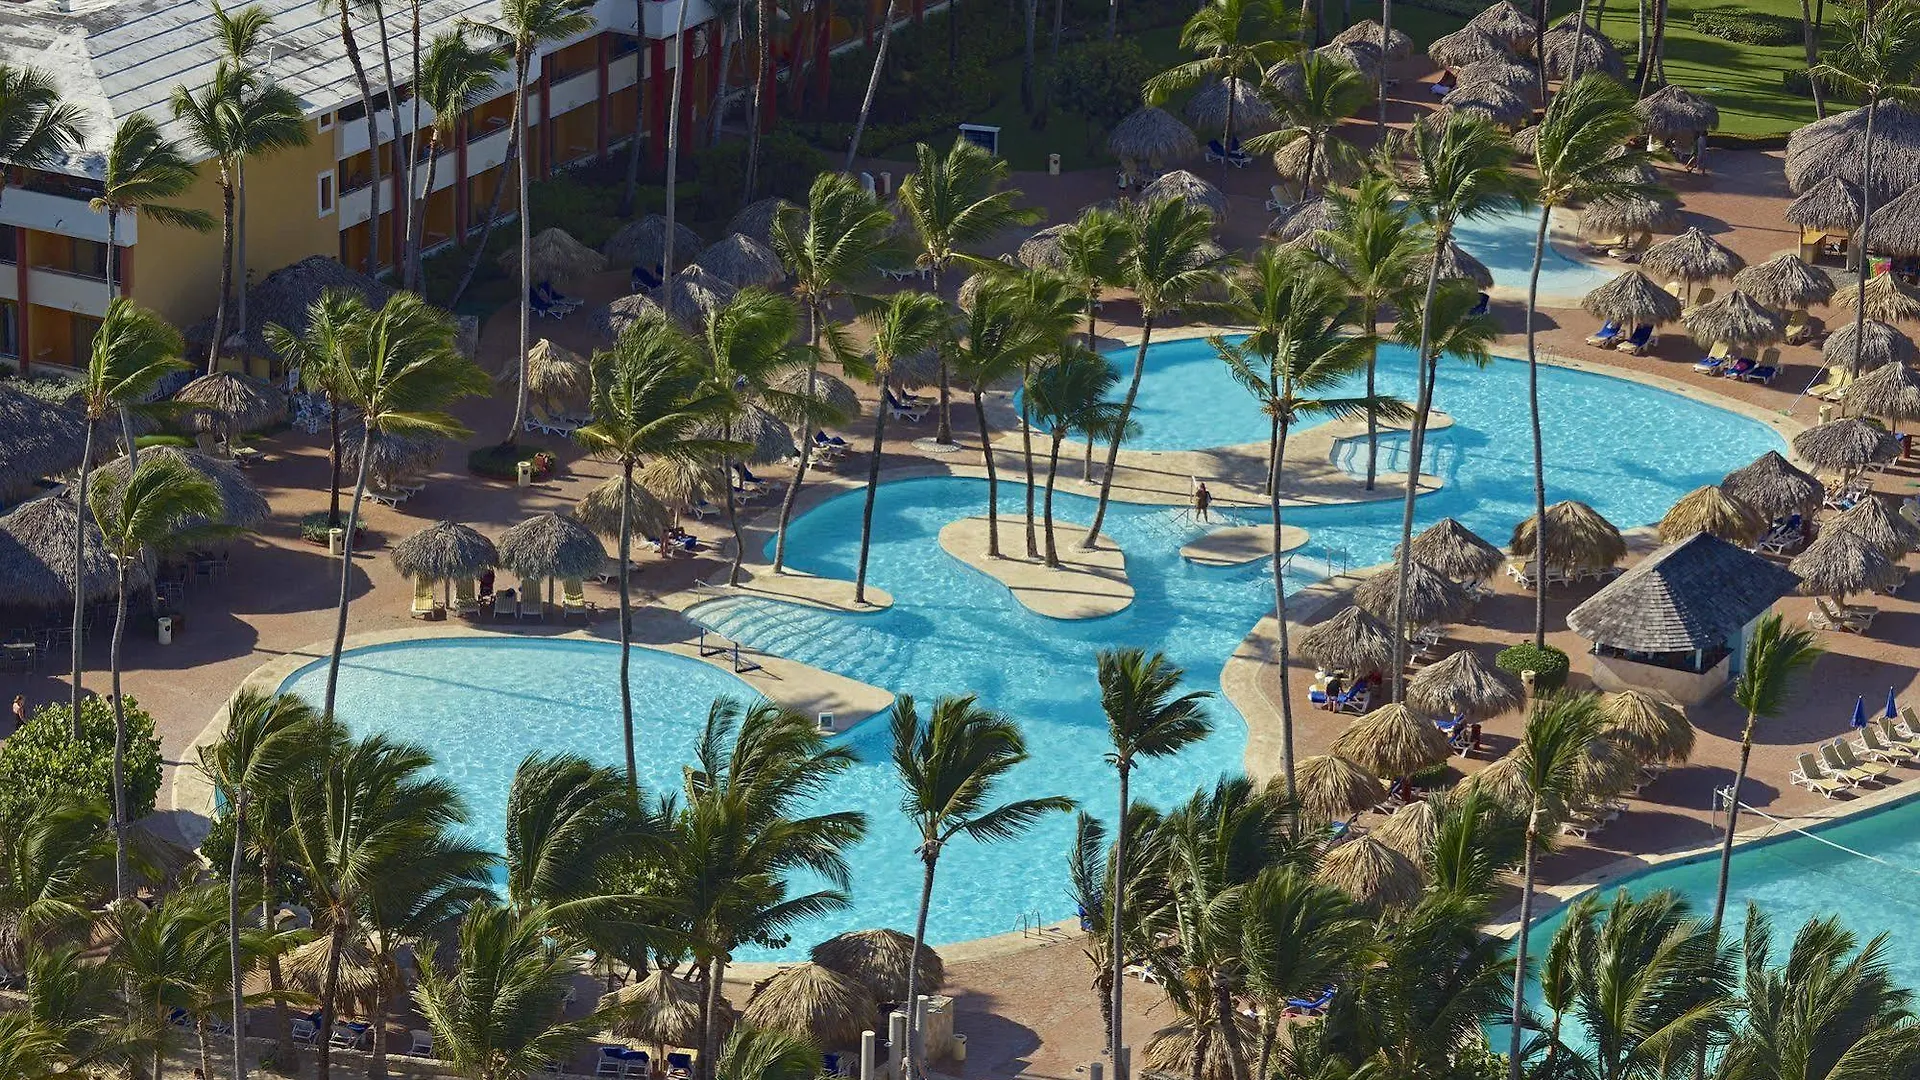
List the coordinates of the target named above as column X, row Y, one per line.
column 1457, row 264
column 1152, row 138
column 678, row 484
column 1432, row 597
column 1504, row 783
column 1353, row 640
column 831, row 395
column 1042, row 250
column 1170, row 1049
column 1595, row 52
column 1674, row 112
column 232, row 403
column 1692, row 256
column 1392, row 741
column 1397, row 46
column 1833, row 203
column 1873, row 345
column 1632, row 299
column 241, row 504
column 1331, row 788
column 1736, row 319
column 1181, row 184
column 599, row 510
column 1896, row 225
column 1467, row 45
column 444, row 551
column 1890, row 392
column 1879, row 526
column 693, row 293
column 1711, row 510
column 1329, row 170
column 1887, row 299
column 550, row 546
column 1499, row 102
column 1526, row 143
column 768, row 435
column 1411, row 830
column 1651, row 727
column 1504, row 72
column 877, row 959
column 1843, row 445
column 390, row 456
column 36, row 557
column 37, row 438
column 1785, row 283
column 612, row 321
column 1463, row 685
column 741, row 261
column 662, row 1009
column 1578, row 538
column 1773, row 487
column 1300, row 222
column 1604, row 769
column 1456, row 551
column 1831, row 147
column 812, row 1002
column 1207, row 108
column 756, row 219
column 1692, row 595
column 1842, row 561
column 1373, row 874
column 1362, row 56
column 643, row 242
column 1632, row 215
column 360, row 978
column 554, row 255
column 1508, row 23
column 557, row 374
column 286, row 297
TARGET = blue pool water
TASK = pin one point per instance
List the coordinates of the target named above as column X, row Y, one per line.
column 1628, row 449
column 1505, row 243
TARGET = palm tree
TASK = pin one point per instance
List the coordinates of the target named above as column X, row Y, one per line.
column 36, row 127
column 1459, row 171
column 571, row 825
column 1049, row 304
column 73, row 997
column 264, row 739
column 1069, row 396
column 1776, row 658
column 1301, row 351
column 240, row 34
column 748, row 347
column 1144, row 720
column 1297, row 938
column 1877, row 59
column 999, row 341
column 327, row 357
column 132, row 350
column 400, row 369
column 369, row 116
column 838, row 240
column 1092, row 252
column 1810, row 40
column 952, row 202
column 873, row 87
column 1579, row 158
column 523, row 27
column 1330, row 92
column 235, row 116
column 673, row 139
column 1557, row 734
column 1169, row 260
column 454, row 77
column 167, row 957
column 56, row 865
column 759, row 1054
column 142, row 170
column 162, row 505
column 948, row 767
column 910, row 323
column 28, row 1051
column 1235, row 39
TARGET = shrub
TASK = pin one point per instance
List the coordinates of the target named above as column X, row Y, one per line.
column 1548, row 664
column 314, row 527
column 788, row 164
column 144, row 441
column 57, row 389
column 1100, row 81
column 1747, row 27
column 42, row 762
column 502, row 462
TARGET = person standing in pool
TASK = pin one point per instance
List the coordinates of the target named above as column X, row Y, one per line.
column 1202, row 500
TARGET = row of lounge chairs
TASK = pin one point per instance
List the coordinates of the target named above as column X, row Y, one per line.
column 1231, row 153
column 1720, row 363
column 1612, row 335
column 1522, row 574
column 1842, row 764
column 550, row 303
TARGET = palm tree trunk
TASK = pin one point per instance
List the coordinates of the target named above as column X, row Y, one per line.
column 346, row 577
column 1386, row 31
column 226, row 270
column 352, row 46
column 1116, row 917
column 1120, row 430
column 493, row 207
column 993, row 476
column 1652, row 64
column 1373, row 411
column 1415, row 444
column 718, row 100
column 1280, row 620
column 1027, row 56
column 943, row 426
column 329, row 989
column 404, row 204
column 1573, row 65
column 1202, row 1036
column 417, row 226
column 632, row 185
column 1053, row 45
column 239, row 246
column 1229, row 1029
column 733, row 524
column 762, row 69
column 873, row 485
column 1640, row 61
column 79, row 559
column 626, row 623
column 709, row 1030
column 526, row 248
column 1866, row 219
column 276, row 982
column 120, row 736
column 1520, row 940
column 1026, row 454
column 1812, row 42
column 673, row 141
column 233, row 938
column 873, row 86
column 1269, row 1032
column 1053, row 469
column 333, row 460
column 200, row 1038
column 1539, row 460
column 913, row 966
column 1733, row 824
column 805, row 440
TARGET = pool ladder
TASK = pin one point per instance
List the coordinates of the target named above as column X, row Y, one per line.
column 1033, row 924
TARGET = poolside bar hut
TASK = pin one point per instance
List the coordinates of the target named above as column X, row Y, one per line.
column 812, row 1002
column 1856, row 351
column 1150, row 139
column 1578, row 538
column 1691, row 258
column 877, row 959
column 553, row 255
column 1676, row 623
column 1676, row 115
column 1464, row 685
column 740, row 260
column 1353, row 641
column 1373, row 874
column 1734, row 320
column 757, row 218
column 1827, row 214
column 643, row 243
column 241, row 504
column 1632, row 300
column 1331, row 788
column 1709, row 509
column 1773, row 488
column 1207, row 108
column 548, row 546
column 1456, row 551
column 37, row 439
column 1885, row 298
column 449, row 552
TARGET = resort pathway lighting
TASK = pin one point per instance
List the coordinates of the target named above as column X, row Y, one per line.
column 1631, row 300
column 1875, row 343
column 1463, row 685
column 1774, row 488
column 1352, row 641
column 1711, row 510
column 1373, row 874
column 554, row 256
column 740, row 261
column 1456, row 551
column 1332, row 788
column 815, row 1003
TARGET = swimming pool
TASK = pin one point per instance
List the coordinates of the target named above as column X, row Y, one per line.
column 1505, row 243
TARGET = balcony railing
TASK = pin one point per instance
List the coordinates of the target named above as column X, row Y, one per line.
column 71, row 187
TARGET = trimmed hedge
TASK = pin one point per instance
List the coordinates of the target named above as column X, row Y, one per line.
column 1748, row 27
column 502, row 462
column 315, row 527
column 1548, row 664
column 42, row 763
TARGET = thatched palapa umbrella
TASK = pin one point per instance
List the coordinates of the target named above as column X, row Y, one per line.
column 1497, row 101
column 1351, row 641
column 599, row 510
column 1632, row 299
column 812, row 1002
column 445, row 551
column 1181, row 184
column 1392, row 741
column 1734, row 319
column 1507, row 23
column 1676, row 113
column 1890, row 392
column 1566, row 45
column 1397, row 45
column 1652, row 728
column 1412, row 829
column 611, row 321
column 1711, row 510
column 693, row 293
column 756, row 220
column 554, row 255
column 1887, row 299
column 1207, row 108
column 1692, row 257
column 877, row 959
column 1152, row 138
column 1331, row 788
column 1879, row 526
column 643, row 242
column 1874, row 344
column 1432, row 597
column 1504, row 72
column 1456, row 551
column 1170, row 1049
column 1832, row 205
column 1603, row 770
column 241, row 504
column 680, row 484
column 832, row 400
column 1373, row 874
column 1896, row 224
column 1844, row 445
column 1786, row 283
column 1504, row 783
column 1362, row 56
column 662, row 1009
column 1578, row 538
column 550, row 546
column 1774, row 488
column 391, row 456
column 767, row 436
column 1325, row 170
column 1042, row 250
column 232, row 403
column 741, row 261
column 1526, row 142
column 1301, row 222
column 1467, row 45
column 1839, row 563
column 1461, row 685
column 1629, row 216
column 37, row 438
column 1831, row 147
column 1456, row 264
column 36, row 557
column 560, row 377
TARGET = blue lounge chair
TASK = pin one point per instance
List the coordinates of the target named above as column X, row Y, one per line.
column 1606, row 337
column 1738, row 369
column 1485, row 305
column 901, row 410
column 1761, row 373
column 830, row 1064
column 1637, row 341
column 1355, row 699
column 822, row 439
column 541, row 307
column 679, row 1064
column 1311, row 1007
column 1216, row 152
column 1711, row 365
column 1236, row 156
column 555, row 298
column 644, row 278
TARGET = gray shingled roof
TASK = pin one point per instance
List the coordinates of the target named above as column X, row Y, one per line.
column 1695, row 594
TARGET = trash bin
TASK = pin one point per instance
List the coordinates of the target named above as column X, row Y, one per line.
column 1053, row 164
column 163, row 627
column 336, row 542
column 525, row 473
column 960, row 1041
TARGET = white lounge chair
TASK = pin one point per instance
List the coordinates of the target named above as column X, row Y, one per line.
column 1810, row 776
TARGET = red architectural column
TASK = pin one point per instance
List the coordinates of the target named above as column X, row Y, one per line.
column 658, row 88
column 604, row 51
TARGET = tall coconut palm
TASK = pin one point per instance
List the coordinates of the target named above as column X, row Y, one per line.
column 873, row 87
column 171, row 956
column 1579, row 158
column 1234, row 39
column 1458, row 171
column 1330, row 92
column 1297, row 938
column 759, row 1054
column 747, row 348
column 143, row 169
column 839, row 240
column 1049, row 305
column 455, row 75
column 1301, row 353
column 1145, row 719
column 571, row 825
column 953, row 201
column 1879, row 58
column 350, row 42
column 1775, row 660
column 29, row 1050
column 673, row 142
column 1004, row 336
column 69, row 995
column 36, row 126
column 909, row 324
column 56, row 865
column 161, row 506
column 240, row 34
column 1071, row 396
column 133, row 349
column 236, row 115
column 1092, row 250
column 651, row 399
column 265, row 738
column 1169, row 261
column 948, row 767
column 1557, row 734
column 400, row 370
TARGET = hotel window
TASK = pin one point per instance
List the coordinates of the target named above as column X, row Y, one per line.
column 325, row 194
column 9, row 329
column 9, row 244
column 326, row 121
